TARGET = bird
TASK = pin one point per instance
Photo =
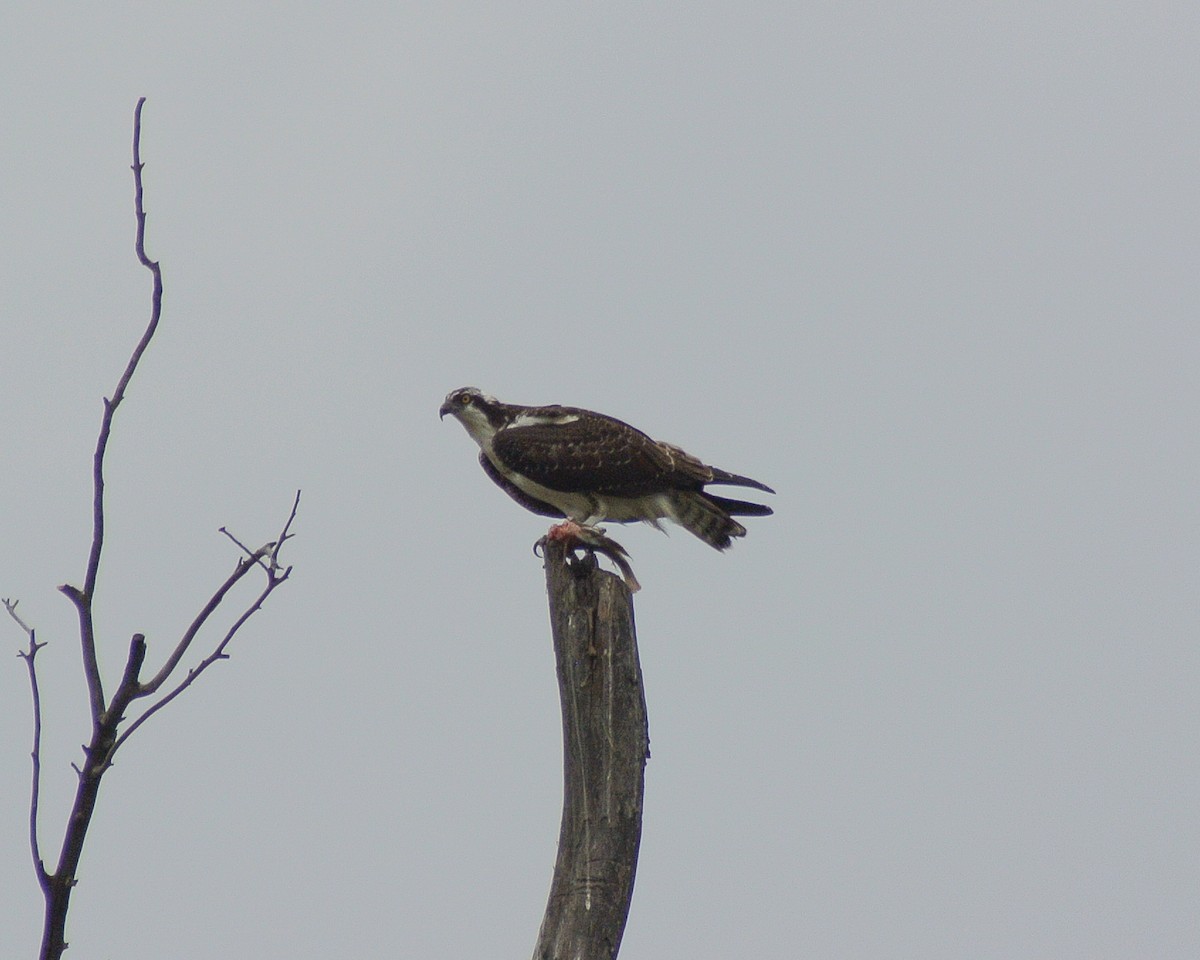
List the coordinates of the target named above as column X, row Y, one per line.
column 590, row 468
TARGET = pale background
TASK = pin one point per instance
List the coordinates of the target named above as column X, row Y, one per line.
column 929, row 269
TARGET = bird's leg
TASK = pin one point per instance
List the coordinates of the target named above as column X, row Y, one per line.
column 572, row 529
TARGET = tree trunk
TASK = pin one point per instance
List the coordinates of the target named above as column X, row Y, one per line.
column 605, row 748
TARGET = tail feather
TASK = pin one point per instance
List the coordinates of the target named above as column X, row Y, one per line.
column 740, row 508
column 699, row 514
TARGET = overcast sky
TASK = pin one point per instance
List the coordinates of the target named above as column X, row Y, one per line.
column 928, row 269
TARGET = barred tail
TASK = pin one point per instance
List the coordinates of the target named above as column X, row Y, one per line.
column 703, row 516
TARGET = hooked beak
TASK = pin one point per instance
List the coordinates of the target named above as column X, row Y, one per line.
column 445, row 410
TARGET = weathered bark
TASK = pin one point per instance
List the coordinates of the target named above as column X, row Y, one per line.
column 605, row 748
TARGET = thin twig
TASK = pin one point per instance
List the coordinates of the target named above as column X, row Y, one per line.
column 111, row 405
column 36, row 755
column 11, row 607
column 151, row 265
column 151, row 686
column 255, row 556
column 217, row 654
column 271, row 547
column 284, row 536
column 274, row 579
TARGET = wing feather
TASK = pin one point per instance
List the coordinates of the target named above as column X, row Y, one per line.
column 593, row 453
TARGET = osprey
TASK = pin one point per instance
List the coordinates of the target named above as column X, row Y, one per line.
column 566, row 462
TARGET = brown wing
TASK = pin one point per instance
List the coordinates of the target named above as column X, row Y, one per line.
column 595, row 454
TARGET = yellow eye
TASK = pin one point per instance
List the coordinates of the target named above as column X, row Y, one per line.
column 464, row 398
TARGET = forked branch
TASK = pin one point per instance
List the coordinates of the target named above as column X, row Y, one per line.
column 275, row 577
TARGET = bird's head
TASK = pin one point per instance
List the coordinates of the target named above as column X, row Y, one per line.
column 480, row 414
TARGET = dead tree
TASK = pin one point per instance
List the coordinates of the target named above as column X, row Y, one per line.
column 108, row 713
column 605, row 748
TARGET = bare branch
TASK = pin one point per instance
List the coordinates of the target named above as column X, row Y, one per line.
column 284, row 536
column 60, row 883
column 36, row 755
column 151, row 265
column 133, row 666
column 271, row 548
column 244, row 566
column 274, row 579
column 82, row 598
column 11, row 607
column 217, row 654
column 87, row 641
column 255, row 555
column 108, row 716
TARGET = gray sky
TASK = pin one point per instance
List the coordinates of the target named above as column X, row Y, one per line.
column 929, row 269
